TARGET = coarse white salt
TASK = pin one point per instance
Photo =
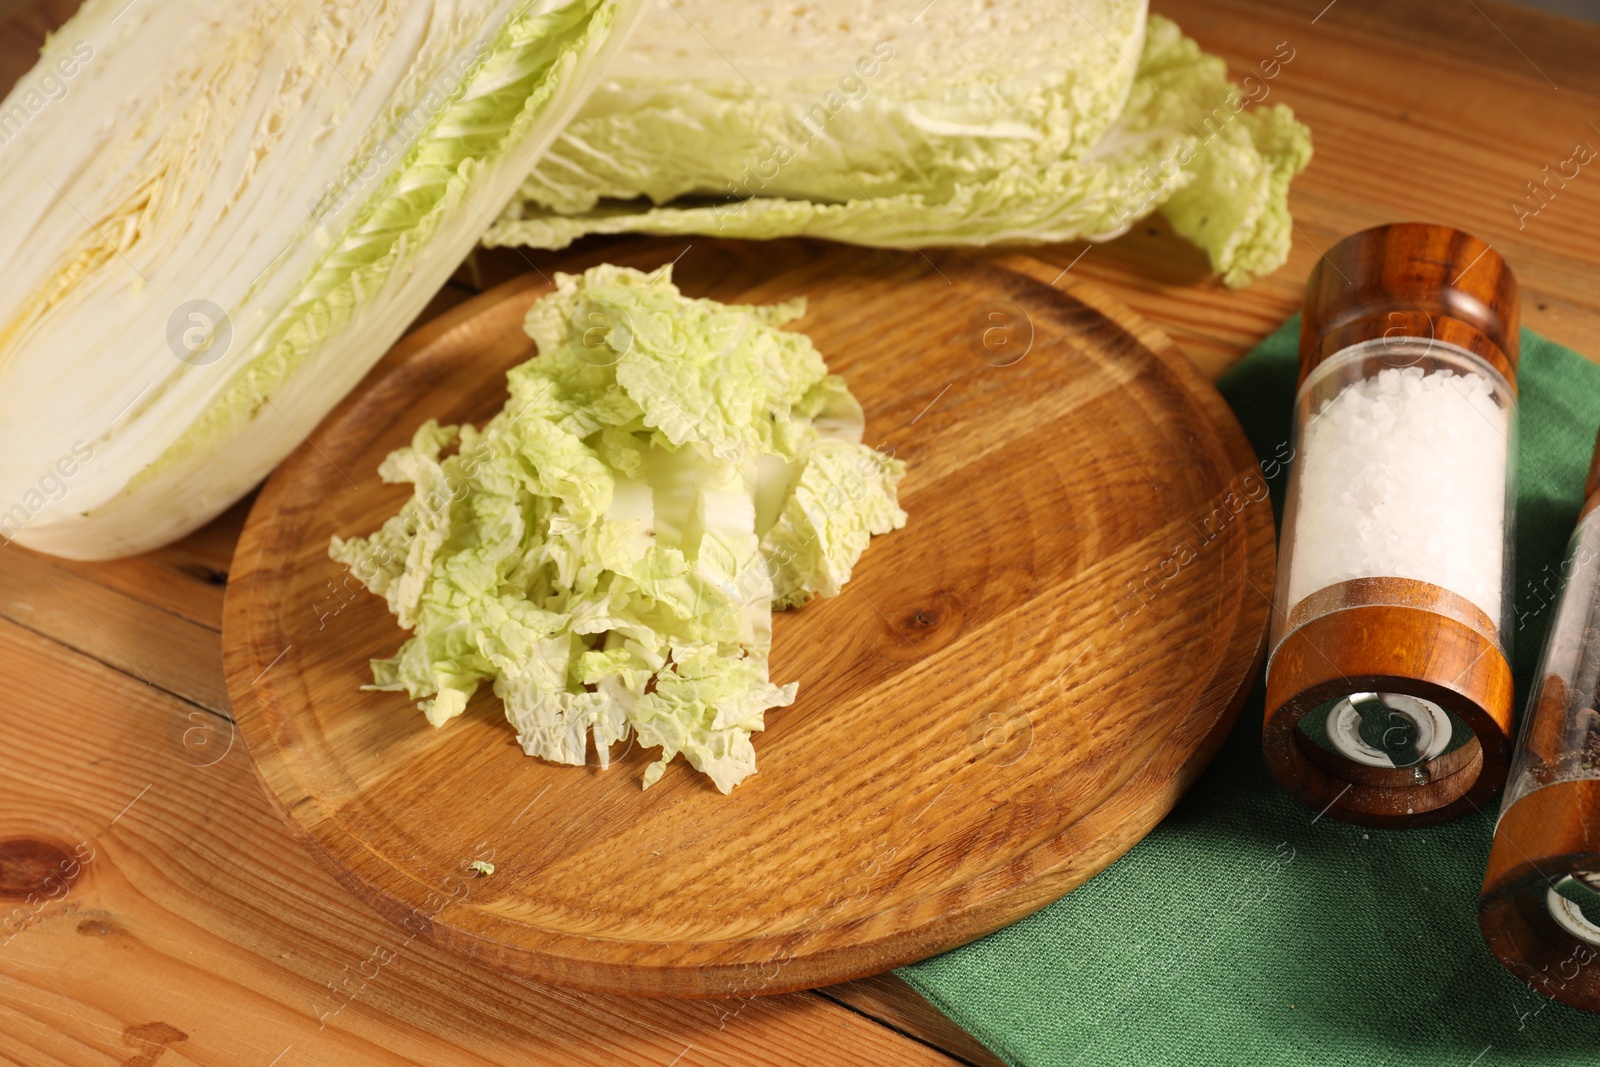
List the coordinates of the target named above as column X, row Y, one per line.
column 1403, row 474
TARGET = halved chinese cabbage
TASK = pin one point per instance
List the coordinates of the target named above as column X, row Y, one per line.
column 215, row 217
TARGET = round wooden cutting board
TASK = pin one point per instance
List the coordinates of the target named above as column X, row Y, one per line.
column 1009, row 693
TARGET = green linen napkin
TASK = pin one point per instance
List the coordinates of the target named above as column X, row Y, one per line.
column 1244, row 930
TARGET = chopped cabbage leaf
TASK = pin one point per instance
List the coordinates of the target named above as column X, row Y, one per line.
column 608, row 550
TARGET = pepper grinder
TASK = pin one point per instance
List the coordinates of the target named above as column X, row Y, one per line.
column 1389, row 682
column 1540, row 907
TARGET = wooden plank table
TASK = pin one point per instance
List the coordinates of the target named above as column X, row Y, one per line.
column 198, row 931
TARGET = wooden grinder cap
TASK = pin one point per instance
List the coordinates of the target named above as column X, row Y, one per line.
column 1412, row 279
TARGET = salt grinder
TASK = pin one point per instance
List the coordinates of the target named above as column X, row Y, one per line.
column 1540, row 908
column 1389, row 682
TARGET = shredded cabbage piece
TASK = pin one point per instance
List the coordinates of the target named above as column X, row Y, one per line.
column 607, row 551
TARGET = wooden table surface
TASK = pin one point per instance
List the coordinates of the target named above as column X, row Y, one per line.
column 198, row 931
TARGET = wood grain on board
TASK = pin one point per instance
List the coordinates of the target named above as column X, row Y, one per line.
column 1010, row 692
column 1430, row 109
